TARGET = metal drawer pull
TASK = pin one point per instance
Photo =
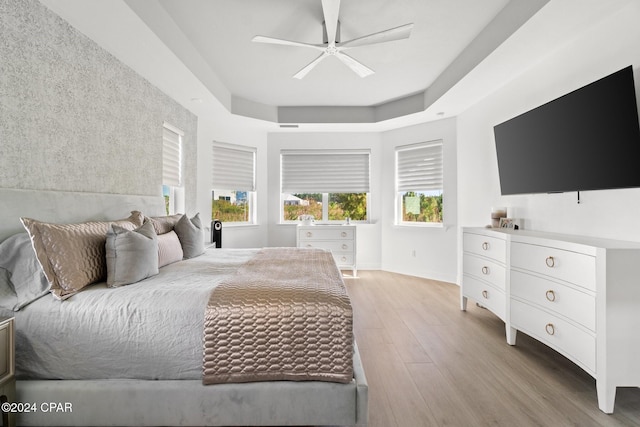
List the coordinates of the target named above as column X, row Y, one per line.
column 309, row 234
column 343, row 234
column 551, row 296
column 345, row 247
column 550, row 262
column 485, row 246
column 485, row 294
column 485, row 270
column 551, row 330
column 309, row 245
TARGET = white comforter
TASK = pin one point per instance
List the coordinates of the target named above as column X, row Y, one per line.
column 149, row 330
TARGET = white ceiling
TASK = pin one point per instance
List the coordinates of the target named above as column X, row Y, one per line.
column 200, row 52
column 221, row 32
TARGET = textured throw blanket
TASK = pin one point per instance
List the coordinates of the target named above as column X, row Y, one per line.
column 285, row 315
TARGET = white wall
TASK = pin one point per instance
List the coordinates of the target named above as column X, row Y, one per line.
column 224, row 127
column 605, row 47
column 368, row 235
column 435, row 247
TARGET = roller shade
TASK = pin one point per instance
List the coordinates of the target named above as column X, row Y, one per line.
column 324, row 171
column 171, row 156
column 419, row 167
column 234, row 167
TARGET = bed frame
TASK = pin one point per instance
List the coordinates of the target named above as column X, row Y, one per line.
column 174, row 403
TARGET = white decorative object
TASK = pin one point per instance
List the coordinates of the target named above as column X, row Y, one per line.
column 339, row 239
column 306, row 219
column 578, row 295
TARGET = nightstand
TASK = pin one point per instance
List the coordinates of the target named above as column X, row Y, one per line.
column 7, row 368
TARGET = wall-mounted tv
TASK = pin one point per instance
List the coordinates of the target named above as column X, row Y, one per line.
column 588, row 139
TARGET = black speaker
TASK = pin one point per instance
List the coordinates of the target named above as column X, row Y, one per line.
column 216, row 232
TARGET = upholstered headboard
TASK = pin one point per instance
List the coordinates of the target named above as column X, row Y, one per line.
column 68, row 207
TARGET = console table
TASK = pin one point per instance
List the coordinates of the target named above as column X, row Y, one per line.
column 579, row 295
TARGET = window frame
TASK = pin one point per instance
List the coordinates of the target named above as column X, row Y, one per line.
column 175, row 187
column 249, row 188
column 362, row 180
column 399, row 194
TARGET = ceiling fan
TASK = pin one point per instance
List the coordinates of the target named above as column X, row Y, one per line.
column 330, row 9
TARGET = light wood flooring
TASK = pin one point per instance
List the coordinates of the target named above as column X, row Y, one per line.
column 429, row 364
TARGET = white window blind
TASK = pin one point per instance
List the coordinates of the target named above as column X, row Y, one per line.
column 171, row 156
column 324, row 171
column 419, row 167
column 234, row 167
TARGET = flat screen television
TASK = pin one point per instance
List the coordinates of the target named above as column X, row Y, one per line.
column 588, row 139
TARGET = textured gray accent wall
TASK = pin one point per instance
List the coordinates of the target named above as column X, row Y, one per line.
column 75, row 118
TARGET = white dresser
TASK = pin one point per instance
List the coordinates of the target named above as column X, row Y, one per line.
column 339, row 239
column 578, row 295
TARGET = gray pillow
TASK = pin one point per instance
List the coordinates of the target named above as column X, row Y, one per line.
column 169, row 248
column 191, row 235
column 131, row 255
column 21, row 278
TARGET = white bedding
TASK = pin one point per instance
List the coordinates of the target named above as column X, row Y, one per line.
column 149, row 330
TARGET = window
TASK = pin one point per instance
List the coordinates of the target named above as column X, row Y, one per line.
column 331, row 185
column 419, row 183
column 172, row 168
column 233, row 193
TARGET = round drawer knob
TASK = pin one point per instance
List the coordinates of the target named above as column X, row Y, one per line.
column 485, row 294
column 551, row 330
column 309, row 234
column 551, row 296
column 485, row 270
column 343, row 234
column 344, row 259
column 345, row 247
column 550, row 261
column 485, row 246
column 309, row 245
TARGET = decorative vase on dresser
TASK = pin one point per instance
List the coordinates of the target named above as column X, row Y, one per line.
column 579, row 295
column 339, row 239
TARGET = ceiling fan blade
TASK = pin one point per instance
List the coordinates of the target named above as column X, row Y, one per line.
column 272, row 40
column 330, row 9
column 300, row 74
column 357, row 67
column 398, row 33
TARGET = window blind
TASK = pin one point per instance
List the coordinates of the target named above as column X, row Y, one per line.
column 419, row 167
column 233, row 167
column 324, row 171
column 171, row 156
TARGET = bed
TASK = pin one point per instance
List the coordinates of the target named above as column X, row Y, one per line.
column 161, row 383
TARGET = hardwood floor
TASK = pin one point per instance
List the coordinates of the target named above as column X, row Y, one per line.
column 429, row 364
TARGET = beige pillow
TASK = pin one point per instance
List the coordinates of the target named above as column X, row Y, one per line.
column 169, row 249
column 72, row 256
column 164, row 224
column 131, row 255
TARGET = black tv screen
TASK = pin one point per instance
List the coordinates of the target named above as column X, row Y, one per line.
column 588, row 139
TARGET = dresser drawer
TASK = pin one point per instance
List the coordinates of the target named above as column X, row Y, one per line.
column 570, row 340
column 573, row 267
column 487, row 246
column 326, row 233
column 343, row 259
column 563, row 300
column 485, row 269
column 485, row 295
column 332, row 245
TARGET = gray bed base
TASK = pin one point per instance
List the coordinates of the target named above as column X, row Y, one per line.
column 189, row 403
column 166, row 403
